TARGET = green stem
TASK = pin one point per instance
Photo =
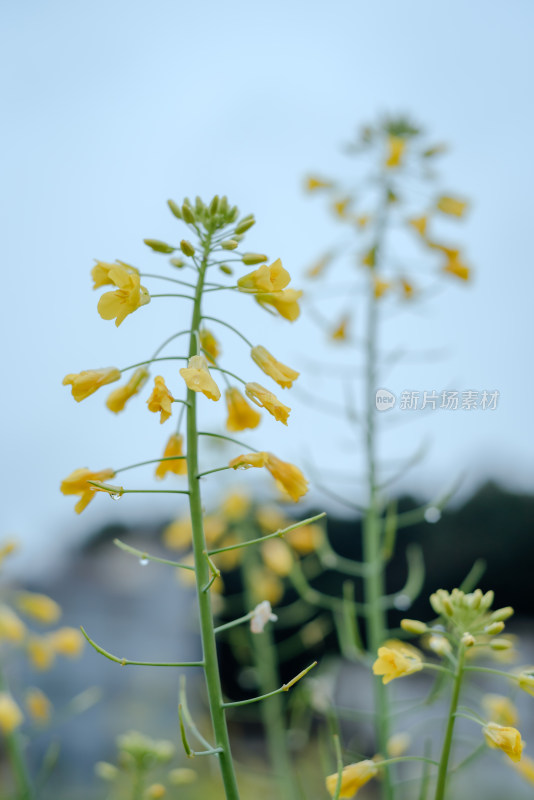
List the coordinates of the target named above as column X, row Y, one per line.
column 211, row 668
column 16, row 757
column 447, row 742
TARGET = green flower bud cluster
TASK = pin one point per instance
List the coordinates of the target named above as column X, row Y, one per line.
column 469, row 613
column 210, row 216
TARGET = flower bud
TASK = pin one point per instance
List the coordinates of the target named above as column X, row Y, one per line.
column 233, row 214
column 177, row 262
column 229, row 244
column 159, row 247
column 494, row 628
column 226, row 269
column 253, row 258
column 245, row 224
column 468, row 639
column 187, row 214
column 501, row 644
column 186, row 247
column 501, row 614
column 214, row 205
column 175, row 208
column 413, row 626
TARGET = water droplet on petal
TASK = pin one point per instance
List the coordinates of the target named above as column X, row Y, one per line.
column 432, row 514
column 143, row 561
column 115, row 495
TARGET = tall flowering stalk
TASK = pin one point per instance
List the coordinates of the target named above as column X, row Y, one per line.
column 377, row 212
column 217, row 232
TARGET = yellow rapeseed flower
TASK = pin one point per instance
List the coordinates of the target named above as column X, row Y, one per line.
column 451, row 205
column 10, row 714
column 174, row 447
column 155, row 792
column 6, row 549
column 287, row 476
column 339, row 334
column 319, row 266
column 396, row 663
column 526, row 681
column 161, row 399
column 265, row 399
column 353, row 777
column 40, row 652
column 283, row 375
column 396, row 148
column 235, row 506
column 198, row 379
column 362, row 220
column 67, row 642
column 240, row 414
column 340, row 207
column 119, row 397
column 457, row 268
column 178, row 534
column 419, row 224
column 504, row 738
column 286, row 302
column 313, row 183
column 248, row 460
column 500, row 709
column 39, row 607
column 38, row 705
column 128, row 296
column 380, row 287
column 86, row 382
column 267, row 278
column 407, row 289
column 12, row 628
column 271, row 518
column 266, row 586
column 76, row 483
column 277, row 557
column 209, row 345
column 101, row 270
column 305, row 540
column 369, row 258
column 398, row 744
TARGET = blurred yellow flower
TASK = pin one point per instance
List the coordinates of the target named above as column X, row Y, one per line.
column 451, row 205
column 128, row 297
column 40, row 652
column 240, row 414
column 286, row 303
column 39, row 607
column 319, row 266
column 266, row 586
column 209, row 345
column 407, row 288
column 500, row 709
column 155, row 792
column 10, row 714
column 7, row 549
column 100, row 273
column 305, row 540
column 178, row 534
column 198, row 379
column 235, row 506
column 119, row 397
column 214, row 527
column 267, row 278
column 456, row 267
column 182, row 775
column 504, row 738
column 67, row 642
column 340, row 206
column 525, row 767
column 161, row 399
column 396, row 663
column 380, row 287
column 526, row 681
column 313, row 183
column 265, row 399
column 398, row 744
column 396, row 148
column 353, row 777
column 339, row 334
column 362, row 220
column 369, row 258
column 38, row 705
column 277, row 557
column 12, row 628
column 419, row 224
column 283, row 375
column 173, row 448
column 76, row 483
column 271, row 519
column 289, row 477
column 86, row 382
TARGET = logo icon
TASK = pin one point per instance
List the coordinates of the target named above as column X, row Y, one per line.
column 385, row 400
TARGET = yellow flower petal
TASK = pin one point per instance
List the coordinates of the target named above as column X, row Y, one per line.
column 40, row 652
column 119, row 397
column 249, row 460
column 209, row 345
column 38, row 705
column 198, row 378
column 451, row 205
column 339, row 333
column 420, row 224
column 160, row 400
column 178, row 534
column 266, row 278
column 240, row 414
column 500, row 709
column 396, row 147
column 10, row 714
column 12, row 628
column 353, row 777
column 289, row 477
column 380, row 287
column 76, row 483
column 313, row 183
column 39, row 607
column 67, row 642
column 457, row 268
column 283, row 375
column 86, row 382
column 286, row 303
column 178, row 466
column 100, row 273
column 340, row 207
column 262, row 397
column 526, row 769
column 277, row 557
column 504, row 738
column 128, row 297
column 392, row 663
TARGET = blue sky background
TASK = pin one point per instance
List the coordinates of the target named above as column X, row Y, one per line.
column 110, row 108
